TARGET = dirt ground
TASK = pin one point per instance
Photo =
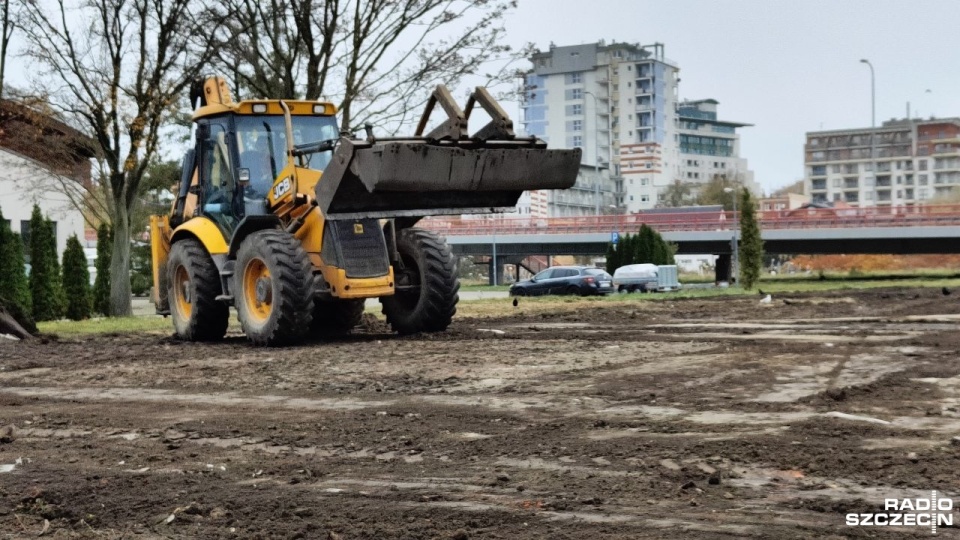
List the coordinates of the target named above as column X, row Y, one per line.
column 695, row 418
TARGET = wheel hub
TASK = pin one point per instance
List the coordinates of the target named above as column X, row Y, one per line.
column 185, row 291
column 264, row 290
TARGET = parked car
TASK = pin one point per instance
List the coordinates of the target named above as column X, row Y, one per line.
column 635, row 277
column 579, row 280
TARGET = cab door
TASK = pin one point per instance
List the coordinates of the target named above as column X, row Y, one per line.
column 219, row 194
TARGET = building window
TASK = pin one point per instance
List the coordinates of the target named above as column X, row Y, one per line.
column 577, row 109
column 644, row 198
column 576, row 78
column 577, row 125
column 576, row 93
column 577, row 141
column 644, row 181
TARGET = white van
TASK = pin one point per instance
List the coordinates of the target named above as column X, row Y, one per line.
column 635, row 277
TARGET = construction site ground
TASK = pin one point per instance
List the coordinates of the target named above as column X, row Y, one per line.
column 678, row 418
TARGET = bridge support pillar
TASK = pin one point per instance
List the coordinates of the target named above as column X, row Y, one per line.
column 497, row 267
column 723, row 268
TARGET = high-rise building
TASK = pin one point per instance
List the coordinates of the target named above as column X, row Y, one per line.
column 618, row 102
column 900, row 163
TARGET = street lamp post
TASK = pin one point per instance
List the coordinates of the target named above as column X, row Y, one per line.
column 596, row 149
column 735, row 260
column 873, row 121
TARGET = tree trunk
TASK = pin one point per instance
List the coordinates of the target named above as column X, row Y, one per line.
column 120, row 305
column 10, row 325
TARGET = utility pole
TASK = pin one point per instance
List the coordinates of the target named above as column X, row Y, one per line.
column 596, row 150
column 873, row 123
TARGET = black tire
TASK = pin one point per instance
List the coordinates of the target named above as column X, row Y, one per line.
column 622, row 289
column 273, row 288
column 193, row 284
column 336, row 317
column 573, row 290
column 427, row 262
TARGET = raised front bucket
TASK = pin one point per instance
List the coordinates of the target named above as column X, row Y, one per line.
column 415, row 177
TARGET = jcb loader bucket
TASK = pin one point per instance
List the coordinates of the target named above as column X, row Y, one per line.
column 444, row 172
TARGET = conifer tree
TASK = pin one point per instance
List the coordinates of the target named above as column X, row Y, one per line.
column 14, row 287
column 46, row 290
column 751, row 243
column 101, row 284
column 76, row 281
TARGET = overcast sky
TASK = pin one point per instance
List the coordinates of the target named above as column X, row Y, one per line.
column 787, row 67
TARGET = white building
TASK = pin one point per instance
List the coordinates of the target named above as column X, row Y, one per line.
column 618, row 102
column 901, row 163
column 40, row 159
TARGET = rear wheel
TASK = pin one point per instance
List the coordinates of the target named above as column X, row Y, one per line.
column 273, row 288
column 193, row 284
column 336, row 317
column 427, row 285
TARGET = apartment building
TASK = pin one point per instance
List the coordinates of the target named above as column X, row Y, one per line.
column 618, row 102
column 903, row 162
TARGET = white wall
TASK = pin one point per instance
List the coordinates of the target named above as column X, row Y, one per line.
column 23, row 183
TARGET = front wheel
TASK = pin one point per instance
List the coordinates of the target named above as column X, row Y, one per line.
column 273, row 288
column 193, row 284
column 427, row 284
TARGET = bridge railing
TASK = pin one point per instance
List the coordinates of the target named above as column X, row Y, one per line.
column 714, row 220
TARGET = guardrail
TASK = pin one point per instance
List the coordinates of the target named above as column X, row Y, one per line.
column 808, row 218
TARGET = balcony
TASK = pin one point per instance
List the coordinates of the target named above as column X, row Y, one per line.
column 851, row 183
column 883, row 196
column 883, row 181
column 818, row 185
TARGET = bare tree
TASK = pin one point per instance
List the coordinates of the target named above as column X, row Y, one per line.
column 677, row 194
column 377, row 59
column 115, row 69
column 7, row 26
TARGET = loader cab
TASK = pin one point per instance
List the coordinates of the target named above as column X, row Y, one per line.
column 239, row 156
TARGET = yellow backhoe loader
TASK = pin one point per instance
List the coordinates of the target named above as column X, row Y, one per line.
column 295, row 224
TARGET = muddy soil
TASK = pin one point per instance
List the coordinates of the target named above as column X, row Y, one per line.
column 699, row 418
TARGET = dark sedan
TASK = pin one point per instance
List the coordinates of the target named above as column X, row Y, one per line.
column 579, row 280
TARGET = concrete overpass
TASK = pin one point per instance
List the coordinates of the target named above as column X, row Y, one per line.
column 876, row 240
column 915, row 230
